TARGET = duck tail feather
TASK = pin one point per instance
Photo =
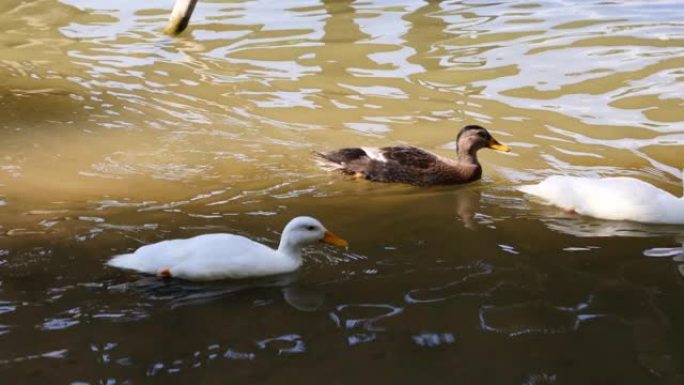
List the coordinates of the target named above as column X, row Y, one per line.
column 122, row 261
column 320, row 155
column 325, row 161
column 527, row 189
column 340, row 159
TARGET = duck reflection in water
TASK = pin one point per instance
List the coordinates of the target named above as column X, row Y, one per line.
column 585, row 227
column 467, row 206
column 590, row 227
column 676, row 253
column 179, row 293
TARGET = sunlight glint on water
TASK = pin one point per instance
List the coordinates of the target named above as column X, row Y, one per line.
column 114, row 135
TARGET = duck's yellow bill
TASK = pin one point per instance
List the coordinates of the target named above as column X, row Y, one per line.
column 495, row 145
column 334, row 240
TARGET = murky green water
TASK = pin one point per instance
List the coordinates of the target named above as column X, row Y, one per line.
column 113, row 135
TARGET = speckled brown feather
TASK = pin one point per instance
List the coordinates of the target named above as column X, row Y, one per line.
column 412, row 165
column 405, row 164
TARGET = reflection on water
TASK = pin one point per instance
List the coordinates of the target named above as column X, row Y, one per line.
column 587, row 227
column 176, row 293
column 675, row 253
column 115, row 135
column 529, row 318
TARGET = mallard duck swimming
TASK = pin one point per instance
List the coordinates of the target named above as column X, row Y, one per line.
column 619, row 198
column 220, row 256
column 412, row 165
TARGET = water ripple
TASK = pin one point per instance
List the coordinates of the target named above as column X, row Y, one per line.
column 115, row 135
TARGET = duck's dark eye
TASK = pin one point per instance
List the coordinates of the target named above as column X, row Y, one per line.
column 311, row 228
column 482, row 135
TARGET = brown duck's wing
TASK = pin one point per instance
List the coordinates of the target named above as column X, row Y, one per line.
column 398, row 164
column 346, row 160
column 411, row 157
column 343, row 155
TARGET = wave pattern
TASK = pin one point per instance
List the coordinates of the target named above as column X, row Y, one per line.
column 114, row 136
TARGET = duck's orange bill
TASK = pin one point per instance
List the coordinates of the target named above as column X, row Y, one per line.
column 334, row 240
column 495, row 145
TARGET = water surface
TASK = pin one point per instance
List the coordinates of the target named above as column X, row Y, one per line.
column 114, row 136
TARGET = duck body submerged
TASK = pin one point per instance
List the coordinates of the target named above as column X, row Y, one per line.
column 226, row 256
column 618, row 198
column 412, row 165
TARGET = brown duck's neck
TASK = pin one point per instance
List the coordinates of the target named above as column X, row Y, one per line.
column 469, row 167
column 468, row 157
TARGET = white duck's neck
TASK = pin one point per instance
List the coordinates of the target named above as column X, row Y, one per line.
column 290, row 249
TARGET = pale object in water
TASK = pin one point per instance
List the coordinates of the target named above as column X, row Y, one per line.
column 220, row 256
column 180, row 16
column 619, row 198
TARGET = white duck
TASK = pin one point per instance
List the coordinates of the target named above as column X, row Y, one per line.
column 619, row 198
column 219, row 256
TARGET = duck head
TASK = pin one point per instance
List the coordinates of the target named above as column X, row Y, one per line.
column 303, row 231
column 474, row 137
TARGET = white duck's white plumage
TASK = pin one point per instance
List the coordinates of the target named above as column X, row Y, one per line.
column 619, row 198
column 220, row 256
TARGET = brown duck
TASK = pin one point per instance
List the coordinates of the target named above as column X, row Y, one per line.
column 412, row 165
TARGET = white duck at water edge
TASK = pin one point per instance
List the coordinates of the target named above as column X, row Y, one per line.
column 221, row 256
column 618, row 198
